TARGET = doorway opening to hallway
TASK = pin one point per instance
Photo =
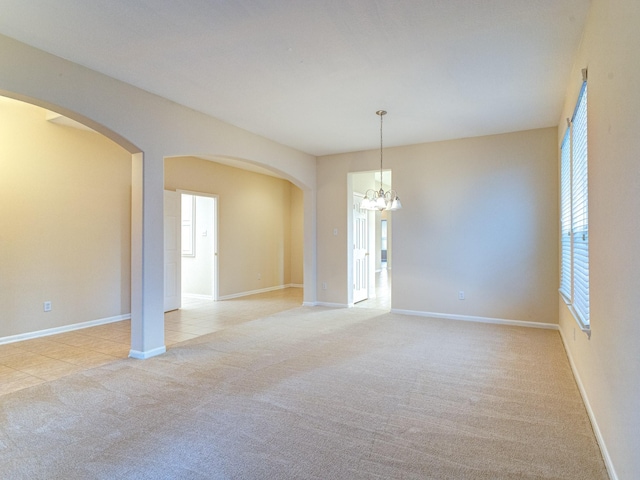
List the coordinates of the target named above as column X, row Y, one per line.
column 370, row 245
column 199, row 254
column 191, row 248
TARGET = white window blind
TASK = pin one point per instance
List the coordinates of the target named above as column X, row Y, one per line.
column 574, row 213
column 565, row 216
column 580, row 214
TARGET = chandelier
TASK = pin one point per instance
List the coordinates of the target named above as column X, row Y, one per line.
column 381, row 200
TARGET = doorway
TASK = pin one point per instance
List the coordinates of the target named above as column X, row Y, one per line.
column 361, row 251
column 198, row 245
column 191, row 248
column 370, row 245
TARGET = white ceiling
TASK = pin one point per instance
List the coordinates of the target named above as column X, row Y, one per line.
column 311, row 74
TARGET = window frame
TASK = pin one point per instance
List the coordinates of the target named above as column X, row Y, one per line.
column 188, row 225
column 574, row 225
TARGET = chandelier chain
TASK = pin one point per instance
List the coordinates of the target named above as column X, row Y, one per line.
column 381, row 200
column 381, row 113
column 381, row 149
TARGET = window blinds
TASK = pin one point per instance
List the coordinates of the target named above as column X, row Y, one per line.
column 565, row 216
column 580, row 221
column 574, row 213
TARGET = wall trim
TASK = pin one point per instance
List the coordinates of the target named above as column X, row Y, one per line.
column 65, row 328
column 594, row 424
column 261, row 290
column 471, row 318
column 137, row 354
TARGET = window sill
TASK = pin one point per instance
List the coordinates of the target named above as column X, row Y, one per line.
column 586, row 329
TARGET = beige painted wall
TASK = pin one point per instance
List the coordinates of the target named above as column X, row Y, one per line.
column 479, row 215
column 608, row 364
column 259, row 223
column 65, row 203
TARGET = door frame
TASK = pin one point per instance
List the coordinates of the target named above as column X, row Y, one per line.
column 373, row 247
column 215, row 197
column 371, row 251
column 357, row 199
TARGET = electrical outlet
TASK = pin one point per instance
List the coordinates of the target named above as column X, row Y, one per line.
column 259, row 276
column 47, row 306
column 324, row 285
column 461, row 295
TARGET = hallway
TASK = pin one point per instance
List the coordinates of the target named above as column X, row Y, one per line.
column 382, row 299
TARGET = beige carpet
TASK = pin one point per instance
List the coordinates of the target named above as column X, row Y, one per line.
column 319, row 394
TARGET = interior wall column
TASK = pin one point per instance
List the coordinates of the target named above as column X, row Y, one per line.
column 147, row 256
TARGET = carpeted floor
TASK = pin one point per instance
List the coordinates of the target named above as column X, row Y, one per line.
column 314, row 393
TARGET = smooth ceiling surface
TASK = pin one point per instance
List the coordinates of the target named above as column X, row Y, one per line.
column 311, row 74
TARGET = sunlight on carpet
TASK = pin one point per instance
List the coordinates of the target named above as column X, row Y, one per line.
column 315, row 393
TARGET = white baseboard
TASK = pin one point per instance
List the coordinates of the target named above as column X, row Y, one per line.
column 65, row 328
column 470, row 318
column 261, row 290
column 594, row 424
column 148, row 354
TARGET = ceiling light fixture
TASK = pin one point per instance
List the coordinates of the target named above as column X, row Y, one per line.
column 381, row 200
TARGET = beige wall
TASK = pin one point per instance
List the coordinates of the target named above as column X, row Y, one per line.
column 259, row 223
column 608, row 364
column 479, row 215
column 65, row 202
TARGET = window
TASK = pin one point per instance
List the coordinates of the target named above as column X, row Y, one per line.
column 383, row 241
column 574, row 214
column 188, row 225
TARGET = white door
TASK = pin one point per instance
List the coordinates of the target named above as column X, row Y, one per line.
column 360, row 252
column 172, row 213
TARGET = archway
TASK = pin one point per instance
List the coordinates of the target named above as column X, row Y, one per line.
column 67, row 246
column 260, row 222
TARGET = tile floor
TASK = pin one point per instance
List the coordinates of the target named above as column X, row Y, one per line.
column 382, row 298
column 30, row 362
